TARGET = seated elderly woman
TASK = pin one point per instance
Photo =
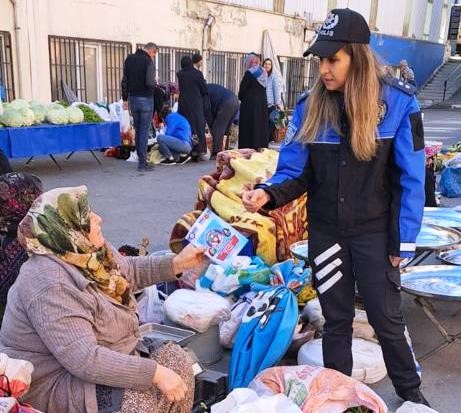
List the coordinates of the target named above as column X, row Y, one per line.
column 17, row 192
column 72, row 314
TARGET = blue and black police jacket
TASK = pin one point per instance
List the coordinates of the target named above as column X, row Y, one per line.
column 350, row 197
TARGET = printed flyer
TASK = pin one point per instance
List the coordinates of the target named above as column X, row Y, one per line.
column 219, row 238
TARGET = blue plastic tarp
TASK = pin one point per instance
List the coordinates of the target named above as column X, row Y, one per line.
column 55, row 139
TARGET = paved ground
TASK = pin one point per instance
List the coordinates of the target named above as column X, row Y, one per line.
column 134, row 205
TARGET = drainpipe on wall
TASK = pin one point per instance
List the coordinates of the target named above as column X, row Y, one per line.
column 17, row 47
column 207, row 26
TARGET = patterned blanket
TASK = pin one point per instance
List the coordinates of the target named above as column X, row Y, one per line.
column 271, row 232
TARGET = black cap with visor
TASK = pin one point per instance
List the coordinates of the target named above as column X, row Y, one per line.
column 341, row 27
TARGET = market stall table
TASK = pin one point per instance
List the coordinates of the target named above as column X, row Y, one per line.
column 47, row 139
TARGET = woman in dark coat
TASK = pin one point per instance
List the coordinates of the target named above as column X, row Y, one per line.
column 192, row 97
column 253, row 131
column 17, row 192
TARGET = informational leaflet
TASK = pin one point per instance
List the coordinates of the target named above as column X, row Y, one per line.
column 222, row 242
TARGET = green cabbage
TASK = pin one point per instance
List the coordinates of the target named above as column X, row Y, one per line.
column 28, row 116
column 11, row 118
column 54, row 105
column 39, row 112
column 75, row 114
column 18, row 104
column 57, row 116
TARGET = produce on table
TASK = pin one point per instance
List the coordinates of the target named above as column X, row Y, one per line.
column 11, row 118
column 39, row 112
column 57, row 116
column 28, row 116
column 89, row 114
column 54, row 105
column 18, row 104
column 75, row 115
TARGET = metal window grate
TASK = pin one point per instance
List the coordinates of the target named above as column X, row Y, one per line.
column 226, row 68
column 6, row 68
column 300, row 74
column 91, row 68
column 168, row 61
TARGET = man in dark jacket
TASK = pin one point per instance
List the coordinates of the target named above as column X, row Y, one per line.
column 224, row 105
column 192, row 97
column 138, row 90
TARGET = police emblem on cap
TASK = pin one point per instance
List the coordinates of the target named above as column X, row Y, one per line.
column 382, row 111
column 331, row 21
column 290, row 133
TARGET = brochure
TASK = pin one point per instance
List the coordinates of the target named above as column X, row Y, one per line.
column 222, row 242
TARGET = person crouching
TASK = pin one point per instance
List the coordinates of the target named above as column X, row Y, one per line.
column 176, row 144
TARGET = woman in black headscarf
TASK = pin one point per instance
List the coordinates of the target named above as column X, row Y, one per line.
column 17, row 192
column 193, row 95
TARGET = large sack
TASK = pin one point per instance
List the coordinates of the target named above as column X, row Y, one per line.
column 196, row 309
column 368, row 359
column 317, row 390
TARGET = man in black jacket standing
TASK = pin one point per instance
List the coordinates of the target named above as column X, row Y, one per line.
column 138, row 90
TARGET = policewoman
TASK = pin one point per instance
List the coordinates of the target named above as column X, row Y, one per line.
column 356, row 146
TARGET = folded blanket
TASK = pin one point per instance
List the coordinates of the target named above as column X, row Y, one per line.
column 271, row 232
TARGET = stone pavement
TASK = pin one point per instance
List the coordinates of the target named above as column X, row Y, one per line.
column 134, row 205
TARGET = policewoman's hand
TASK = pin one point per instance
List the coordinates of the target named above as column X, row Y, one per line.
column 254, row 200
column 395, row 261
column 169, row 383
column 190, row 258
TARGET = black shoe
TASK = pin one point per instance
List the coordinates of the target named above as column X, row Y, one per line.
column 184, row 159
column 168, row 162
column 145, row 168
column 413, row 395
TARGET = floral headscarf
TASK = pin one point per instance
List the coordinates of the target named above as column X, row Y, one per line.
column 253, row 65
column 17, row 192
column 58, row 223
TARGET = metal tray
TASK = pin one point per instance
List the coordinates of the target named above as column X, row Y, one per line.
column 451, row 255
column 442, row 282
column 160, row 334
column 300, row 250
column 444, row 217
column 434, row 237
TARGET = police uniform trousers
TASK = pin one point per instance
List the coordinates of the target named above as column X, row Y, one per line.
column 340, row 263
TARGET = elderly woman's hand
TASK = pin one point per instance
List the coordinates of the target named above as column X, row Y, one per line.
column 169, row 383
column 190, row 258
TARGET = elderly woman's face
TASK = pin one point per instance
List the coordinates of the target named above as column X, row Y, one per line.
column 95, row 235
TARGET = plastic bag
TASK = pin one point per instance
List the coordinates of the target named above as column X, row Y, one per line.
column 313, row 312
column 410, row 407
column 125, row 122
column 316, row 389
column 450, row 182
column 197, row 309
column 247, row 401
column 368, row 359
column 228, row 329
column 150, row 306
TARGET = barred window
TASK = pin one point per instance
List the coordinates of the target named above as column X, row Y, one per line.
column 299, row 74
column 92, row 69
column 167, row 61
column 6, row 68
column 226, row 69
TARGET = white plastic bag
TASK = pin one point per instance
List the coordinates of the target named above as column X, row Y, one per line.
column 247, row 401
column 368, row 359
column 410, row 407
column 313, row 311
column 228, row 329
column 150, row 306
column 197, row 309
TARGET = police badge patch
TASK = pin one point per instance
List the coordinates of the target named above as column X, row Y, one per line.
column 382, row 111
column 290, row 133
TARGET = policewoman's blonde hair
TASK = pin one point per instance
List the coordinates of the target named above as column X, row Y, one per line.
column 361, row 98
